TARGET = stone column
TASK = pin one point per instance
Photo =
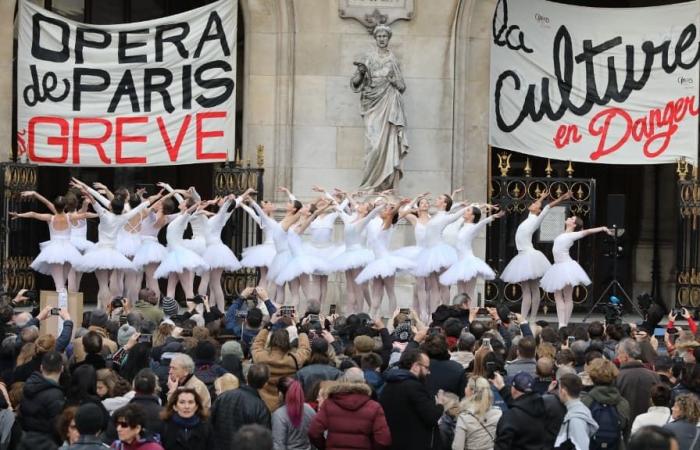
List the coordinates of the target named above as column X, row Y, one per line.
column 7, row 8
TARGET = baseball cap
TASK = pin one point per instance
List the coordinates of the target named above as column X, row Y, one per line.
column 523, row 382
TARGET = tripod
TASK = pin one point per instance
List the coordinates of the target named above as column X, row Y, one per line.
column 614, row 285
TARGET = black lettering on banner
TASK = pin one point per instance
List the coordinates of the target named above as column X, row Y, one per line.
column 186, row 87
column 46, row 54
column 81, row 42
column 538, row 106
column 34, row 93
column 150, row 86
column 498, row 35
column 175, row 39
column 78, row 87
column 124, row 45
column 219, row 34
column 126, row 87
column 213, row 83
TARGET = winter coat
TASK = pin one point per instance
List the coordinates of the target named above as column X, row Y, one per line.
column 685, row 433
column 195, row 383
column 34, row 440
column 109, row 347
column 348, row 418
column 521, row 365
column 446, row 426
column 88, row 442
column 150, row 404
column 42, row 401
column 609, row 395
column 285, row 436
column 578, row 425
column 657, row 415
column 473, row 433
column 635, row 382
column 232, row 410
column 179, row 437
column 446, row 375
column 280, row 364
column 308, row 375
column 520, row 428
column 410, row 411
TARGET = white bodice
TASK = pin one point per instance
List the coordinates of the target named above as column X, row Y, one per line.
column 436, row 224
column 321, row 230
column 420, row 234
column 198, row 222
column 79, row 231
column 111, row 224
column 562, row 245
column 467, row 233
column 55, row 234
column 523, row 235
column 216, row 224
column 176, row 229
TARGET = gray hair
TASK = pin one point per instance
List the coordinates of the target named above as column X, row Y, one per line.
column 382, row 27
column 353, row 375
column 181, row 359
column 630, row 347
column 313, row 307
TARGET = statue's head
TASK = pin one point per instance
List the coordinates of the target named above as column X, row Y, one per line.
column 382, row 35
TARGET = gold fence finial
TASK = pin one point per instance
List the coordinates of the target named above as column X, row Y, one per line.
column 528, row 168
column 682, row 168
column 570, row 170
column 504, row 163
column 548, row 170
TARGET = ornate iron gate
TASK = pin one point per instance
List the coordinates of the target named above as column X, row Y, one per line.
column 514, row 194
column 688, row 250
column 17, row 238
column 241, row 231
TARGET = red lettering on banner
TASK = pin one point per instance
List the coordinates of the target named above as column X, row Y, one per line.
column 174, row 150
column 201, row 135
column 95, row 142
column 656, row 129
column 52, row 140
column 566, row 134
column 121, row 138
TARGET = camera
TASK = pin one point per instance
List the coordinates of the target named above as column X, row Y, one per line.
column 117, row 302
column 613, row 311
column 287, row 311
column 55, row 311
column 570, row 340
column 331, row 310
column 405, row 311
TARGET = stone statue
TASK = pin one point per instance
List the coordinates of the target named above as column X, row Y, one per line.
column 379, row 81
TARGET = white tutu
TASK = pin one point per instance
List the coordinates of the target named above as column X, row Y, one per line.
column 103, row 258
column 128, row 243
column 351, row 259
column 567, row 273
column 528, row 264
column 411, row 252
column 327, row 254
column 467, row 268
column 434, row 259
column 198, row 245
column 218, row 256
column 81, row 244
column 383, row 267
column 259, row 255
column 151, row 251
column 298, row 265
column 178, row 260
column 57, row 251
column 278, row 263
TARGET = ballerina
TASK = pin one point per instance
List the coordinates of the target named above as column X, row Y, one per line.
column 104, row 258
column 528, row 266
column 217, row 255
column 355, row 256
column 565, row 273
column 181, row 263
column 261, row 256
column 382, row 271
column 302, row 263
column 468, row 267
column 58, row 254
column 151, row 252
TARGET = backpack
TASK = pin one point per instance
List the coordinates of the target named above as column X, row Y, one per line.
column 609, row 434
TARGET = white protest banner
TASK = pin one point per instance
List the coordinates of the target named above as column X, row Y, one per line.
column 160, row 92
column 603, row 85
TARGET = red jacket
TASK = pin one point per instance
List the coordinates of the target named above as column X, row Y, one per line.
column 352, row 419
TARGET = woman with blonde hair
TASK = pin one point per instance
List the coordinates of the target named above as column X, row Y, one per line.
column 226, row 382
column 476, row 424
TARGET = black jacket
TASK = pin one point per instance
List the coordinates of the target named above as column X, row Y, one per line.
column 42, row 401
column 233, row 409
column 410, row 411
column 88, row 442
column 150, row 404
column 446, row 375
column 199, row 437
column 520, row 428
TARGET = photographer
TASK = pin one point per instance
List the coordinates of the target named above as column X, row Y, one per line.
column 147, row 305
column 98, row 323
column 236, row 315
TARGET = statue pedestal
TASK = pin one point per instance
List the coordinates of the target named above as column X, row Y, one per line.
column 53, row 324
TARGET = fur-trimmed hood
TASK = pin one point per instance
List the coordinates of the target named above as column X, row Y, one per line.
column 349, row 388
column 349, row 396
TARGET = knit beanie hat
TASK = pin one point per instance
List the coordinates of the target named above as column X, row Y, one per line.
column 89, row 419
column 232, row 348
column 170, row 306
column 124, row 333
column 364, row 344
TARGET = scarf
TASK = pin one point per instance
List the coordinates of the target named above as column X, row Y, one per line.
column 188, row 423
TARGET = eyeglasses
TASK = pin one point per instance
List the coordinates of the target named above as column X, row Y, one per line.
column 122, row 424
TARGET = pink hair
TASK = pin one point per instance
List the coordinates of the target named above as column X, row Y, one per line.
column 294, row 400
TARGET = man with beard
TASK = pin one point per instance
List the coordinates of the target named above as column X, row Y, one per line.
column 410, row 410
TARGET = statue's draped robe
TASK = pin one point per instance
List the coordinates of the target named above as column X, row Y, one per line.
column 382, row 109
